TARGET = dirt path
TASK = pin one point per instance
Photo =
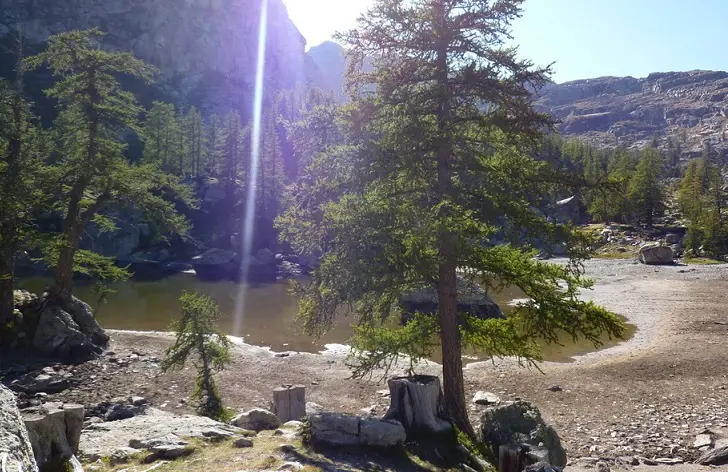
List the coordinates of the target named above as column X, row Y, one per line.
column 648, row 397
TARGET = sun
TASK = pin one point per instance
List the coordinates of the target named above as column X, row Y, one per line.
column 318, row 20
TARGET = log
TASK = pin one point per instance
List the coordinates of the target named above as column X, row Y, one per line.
column 289, row 402
column 416, row 402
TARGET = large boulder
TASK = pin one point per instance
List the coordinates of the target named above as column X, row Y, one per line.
column 334, row 429
column 521, row 423
column 69, row 333
column 16, row 451
column 54, row 430
column 216, row 264
column 655, row 254
column 119, row 243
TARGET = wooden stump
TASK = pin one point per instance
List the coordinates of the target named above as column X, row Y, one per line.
column 289, row 403
column 416, row 402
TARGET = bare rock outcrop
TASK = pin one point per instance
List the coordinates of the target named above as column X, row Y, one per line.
column 16, row 452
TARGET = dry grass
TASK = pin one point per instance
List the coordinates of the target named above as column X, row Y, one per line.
column 701, row 261
column 266, row 454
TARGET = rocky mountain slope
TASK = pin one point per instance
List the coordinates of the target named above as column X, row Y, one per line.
column 691, row 107
column 205, row 49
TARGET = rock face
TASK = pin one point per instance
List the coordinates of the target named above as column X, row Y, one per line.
column 153, row 429
column 206, row 49
column 16, row 452
column 623, row 111
column 521, row 423
column 655, row 254
column 54, row 430
column 334, row 429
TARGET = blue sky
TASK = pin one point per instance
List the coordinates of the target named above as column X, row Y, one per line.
column 585, row 38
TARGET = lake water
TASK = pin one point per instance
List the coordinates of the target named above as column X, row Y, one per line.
column 270, row 312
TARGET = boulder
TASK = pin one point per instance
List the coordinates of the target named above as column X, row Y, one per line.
column 256, row 419
column 46, row 382
column 16, row 451
column 120, row 243
column 334, row 429
column 673, row 238
column 381, row 433
column 54, row 430
column 521, row 423
column 655, row 254
column 717, row 456
column 216, row 264
column 69, row 333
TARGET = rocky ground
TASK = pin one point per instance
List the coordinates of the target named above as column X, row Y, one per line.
column 647, row 398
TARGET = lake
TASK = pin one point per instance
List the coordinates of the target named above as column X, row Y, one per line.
column 269, row 315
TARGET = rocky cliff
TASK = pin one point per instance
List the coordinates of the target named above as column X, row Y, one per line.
column 691, row 107
column 205, row 49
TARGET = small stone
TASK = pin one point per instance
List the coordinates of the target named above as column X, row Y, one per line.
column 138, row 401
column 171, row 451
column 486, row 398
column 243, row 442
column 647, row 461
column 291, row 466
column 602, row 467
column 702, row 440
column 123, row 455
column 669, row 460
column 287, row 448
column 282, row 354
column 369, row 411
column 217, row 434
column 555, row 388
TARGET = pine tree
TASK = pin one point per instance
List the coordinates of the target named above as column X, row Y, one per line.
column 429, row 178
column 233, row 153
column 94, row 112
column 212, row 146
column 194, row 130
column 198, row 336
column 646, row 192
column 159, row 131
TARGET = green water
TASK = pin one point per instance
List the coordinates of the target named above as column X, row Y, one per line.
column 270, row 313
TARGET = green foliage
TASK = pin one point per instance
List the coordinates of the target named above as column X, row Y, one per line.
column 91, row 170
column 197, row 336
column 701, row 200
column 429, row 181
column 646, row 191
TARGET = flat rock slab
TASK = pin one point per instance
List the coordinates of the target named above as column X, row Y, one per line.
column 103, row 439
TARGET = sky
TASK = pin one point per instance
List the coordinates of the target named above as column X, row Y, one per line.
column 584, row 38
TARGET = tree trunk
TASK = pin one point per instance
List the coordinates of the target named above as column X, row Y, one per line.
column 6, row 289
column 416, row 402
column 64, row 269
column 289, row 403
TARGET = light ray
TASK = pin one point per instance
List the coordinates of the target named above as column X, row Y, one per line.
column 249, row 220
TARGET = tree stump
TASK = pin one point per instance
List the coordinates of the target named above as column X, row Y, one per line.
column 416, row 402
column 289, row 403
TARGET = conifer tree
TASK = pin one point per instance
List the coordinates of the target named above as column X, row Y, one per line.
column 93, row 173
column 194, row 130
column 212, row 145
column 198, row 337
column 646, row 191
column 429, row 178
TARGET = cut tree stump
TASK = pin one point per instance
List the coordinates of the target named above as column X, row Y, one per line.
column 289, row 403
column 416, row 402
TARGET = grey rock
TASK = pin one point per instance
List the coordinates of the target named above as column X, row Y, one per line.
column 54, row 430
column 215, row 434
column 647, row 461
column 314, row 408
column 291, row 465
column 152, row 442
column 521, row 422
column 171, row 451
column 702, row 440
column 334, row 429
column 256, row 419
column 542, row 467
column 216, row 264
column 138, row 401
column 243, row 442
column 42, row 383
column 669, row 460
column 15, row 446
column 381, row 434
column 123, row 455
column 655, row 254
column 485, row 398
column 717, row 456
column 673, row 238
column 603, row 467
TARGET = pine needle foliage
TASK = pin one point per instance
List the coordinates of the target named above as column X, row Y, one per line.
column 199, row 339
column 436, row 181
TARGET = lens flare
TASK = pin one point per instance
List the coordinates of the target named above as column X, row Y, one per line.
column 255, row 137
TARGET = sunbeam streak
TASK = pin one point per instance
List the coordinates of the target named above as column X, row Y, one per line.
column 249, row 220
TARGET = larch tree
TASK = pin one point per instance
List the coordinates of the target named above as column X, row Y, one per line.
column 194, row 130
column 441, row 138
column 92, row 170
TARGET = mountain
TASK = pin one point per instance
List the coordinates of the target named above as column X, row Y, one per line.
column 330, row 60
column 206, row 49
column 690, row 107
